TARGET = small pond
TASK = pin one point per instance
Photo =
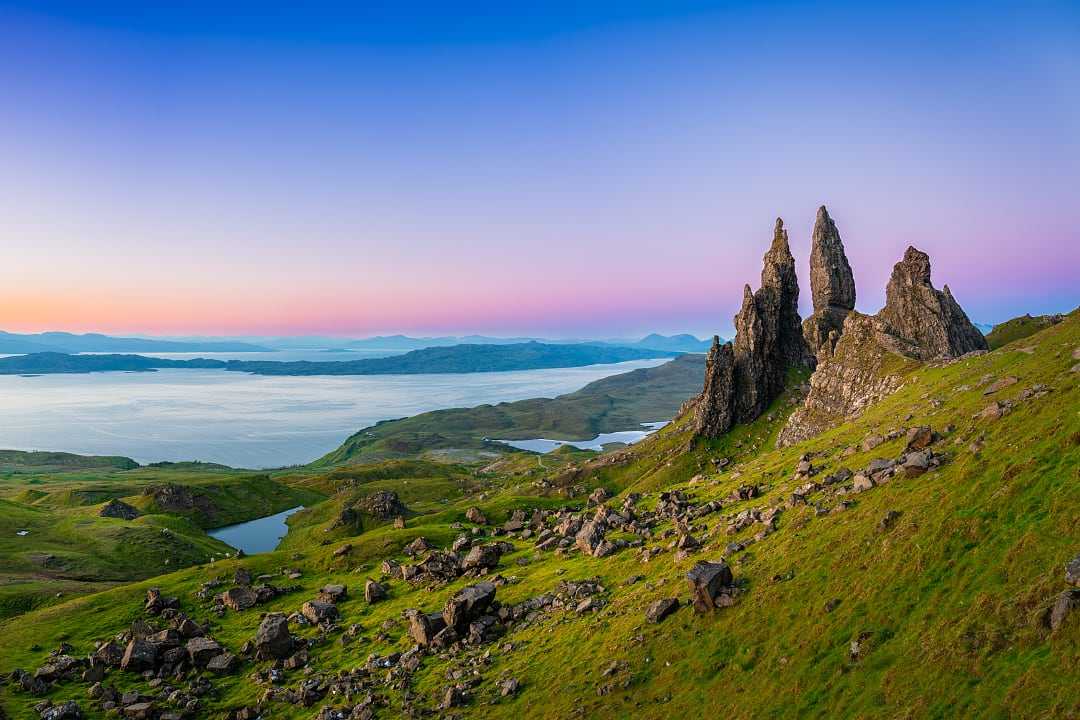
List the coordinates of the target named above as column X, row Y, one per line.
column 256, row 536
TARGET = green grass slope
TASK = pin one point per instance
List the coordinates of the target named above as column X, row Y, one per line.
column 53, row 540
column 946, row 603
column 1019, row 328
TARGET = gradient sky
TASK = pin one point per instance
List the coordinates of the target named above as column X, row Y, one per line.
column 567, row 169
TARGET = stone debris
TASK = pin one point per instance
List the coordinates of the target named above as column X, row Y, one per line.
column 659, row 610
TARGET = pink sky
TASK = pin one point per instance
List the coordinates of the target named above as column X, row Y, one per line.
column 611, row 178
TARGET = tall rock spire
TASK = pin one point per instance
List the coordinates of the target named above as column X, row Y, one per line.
column 930, row 318
column 831, row 283
column 743, row 378
column 713, row 414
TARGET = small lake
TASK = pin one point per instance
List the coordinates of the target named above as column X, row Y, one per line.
column 256, row 536
column 627, row 437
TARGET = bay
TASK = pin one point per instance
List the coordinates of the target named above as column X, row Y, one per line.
column 251, row 421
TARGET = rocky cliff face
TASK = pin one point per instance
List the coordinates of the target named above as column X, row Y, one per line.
column 866, row 360
column 855, row 369
column 831, row 283
column 931, row 318
column 715, row 407
column 742, row 379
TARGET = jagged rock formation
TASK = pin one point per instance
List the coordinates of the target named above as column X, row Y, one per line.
column 931, row 318
column 831, row 283
column 866, row 361
column 715, row 407
column 854, row 370
column 742, row 379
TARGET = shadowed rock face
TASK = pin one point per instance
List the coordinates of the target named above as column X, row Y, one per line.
column 743, row 378
column 831, row 283
column 930, row 318
column 713, row 416
column 768, row 332
column 851, row 374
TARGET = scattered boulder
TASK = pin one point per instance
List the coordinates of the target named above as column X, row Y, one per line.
column 156, row 602
column 483, row 557
column 201, row 650
column 861, row 483
column 319, row 612
column 508, row 687
column 423, row 627
column 374, row 592
column 708, row 581
column 223, row 664
column 1001, row 384
column 65, row 711
column 455, row 696
column 888, row 520
column 590, row 537
column 272, row 640
column 417, row 547
column 919, row 438
column 239, row 598
column 173, row 498
column 383, row 505
column 332, row 593
column 467, row 605
column 139, row 656
column 917, row 463
column 474, row 515
column 659, row 610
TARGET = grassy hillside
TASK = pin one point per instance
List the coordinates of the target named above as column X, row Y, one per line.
column 54, row 540
column 922, row 597
column 618, row 402
column 18, row 461
column 1019, row 328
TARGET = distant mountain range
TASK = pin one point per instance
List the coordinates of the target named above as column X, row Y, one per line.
column 456, row 359
column 62, row 342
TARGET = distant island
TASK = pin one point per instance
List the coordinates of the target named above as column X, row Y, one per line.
column 62, row 342
column 653, row 341
column 455, row 359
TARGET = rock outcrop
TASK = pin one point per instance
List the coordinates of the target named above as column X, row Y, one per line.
column 715, row 407
column 744, row 377
column 831, row 283
column 853, row 371
column 118, row 509
column 930, row 318
column 867, row 360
